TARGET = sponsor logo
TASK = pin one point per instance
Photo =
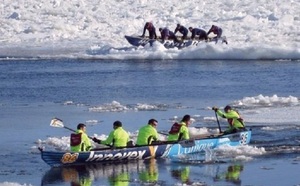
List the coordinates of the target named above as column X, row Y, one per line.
column 117, row 156
column 198, row 148
column 223, row 140
column 69, row 158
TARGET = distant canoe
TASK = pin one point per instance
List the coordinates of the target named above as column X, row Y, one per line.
column 162, row 150
column 143, row 41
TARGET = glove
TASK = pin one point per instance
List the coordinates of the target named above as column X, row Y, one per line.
column 215, row 109
column 96, row 140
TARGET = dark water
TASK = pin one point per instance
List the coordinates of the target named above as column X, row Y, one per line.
column 101, row 81
column 32, row 92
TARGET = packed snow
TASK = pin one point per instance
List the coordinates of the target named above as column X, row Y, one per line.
column 96, row 29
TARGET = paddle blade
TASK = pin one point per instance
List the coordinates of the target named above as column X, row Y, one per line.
column 55, row 122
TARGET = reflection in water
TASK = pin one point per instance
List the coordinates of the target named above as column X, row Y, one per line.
column 76, row 178
column 112, row 174
column 149, row 174
column 85, row 175
column 182, row 174
column 121, row 179
column 231, row 175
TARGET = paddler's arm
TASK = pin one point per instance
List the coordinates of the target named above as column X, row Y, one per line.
column 220, row 113
column 109, row 140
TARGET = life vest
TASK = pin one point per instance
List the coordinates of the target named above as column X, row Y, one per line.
column 240, row 119
column 75, row 139
column 175, row 128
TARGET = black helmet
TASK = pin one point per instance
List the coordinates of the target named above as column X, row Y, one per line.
column 190, row 28
column 148, row 24
column 186, row 118
column 117, row 124
column 178, row 25
column 160, row 29
column 227, row 108
column 80, row 125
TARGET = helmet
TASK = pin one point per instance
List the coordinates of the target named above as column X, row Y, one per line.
column 178, row 25
column 149, row 24
column 227, row 108
column 80, row 125
column 186, row 118
column 117, row 124
column 152, row 122
column 160, row 29
column 190, row 28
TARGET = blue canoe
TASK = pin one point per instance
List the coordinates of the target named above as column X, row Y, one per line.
column 162, row 150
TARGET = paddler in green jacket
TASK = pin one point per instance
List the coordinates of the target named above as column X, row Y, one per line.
column 235, row 121
column 147, row 134
column 117, row 138
column 80, row 140
column 180, row 131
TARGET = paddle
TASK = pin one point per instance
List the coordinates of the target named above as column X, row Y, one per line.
column 220, row 131
column 56, row 122
column 162, row 133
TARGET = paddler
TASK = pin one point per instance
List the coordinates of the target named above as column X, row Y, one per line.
column 151, row 29
column 148, row 133
column 80, row 141
column 116, row 138
column 236, row 123
column 180, row 131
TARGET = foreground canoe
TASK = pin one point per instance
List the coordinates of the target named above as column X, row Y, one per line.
column 163, row 150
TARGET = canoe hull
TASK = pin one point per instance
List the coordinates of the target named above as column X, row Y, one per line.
column 138, row 41
column 236, row 139
column 55, row 159
column 125, row 154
